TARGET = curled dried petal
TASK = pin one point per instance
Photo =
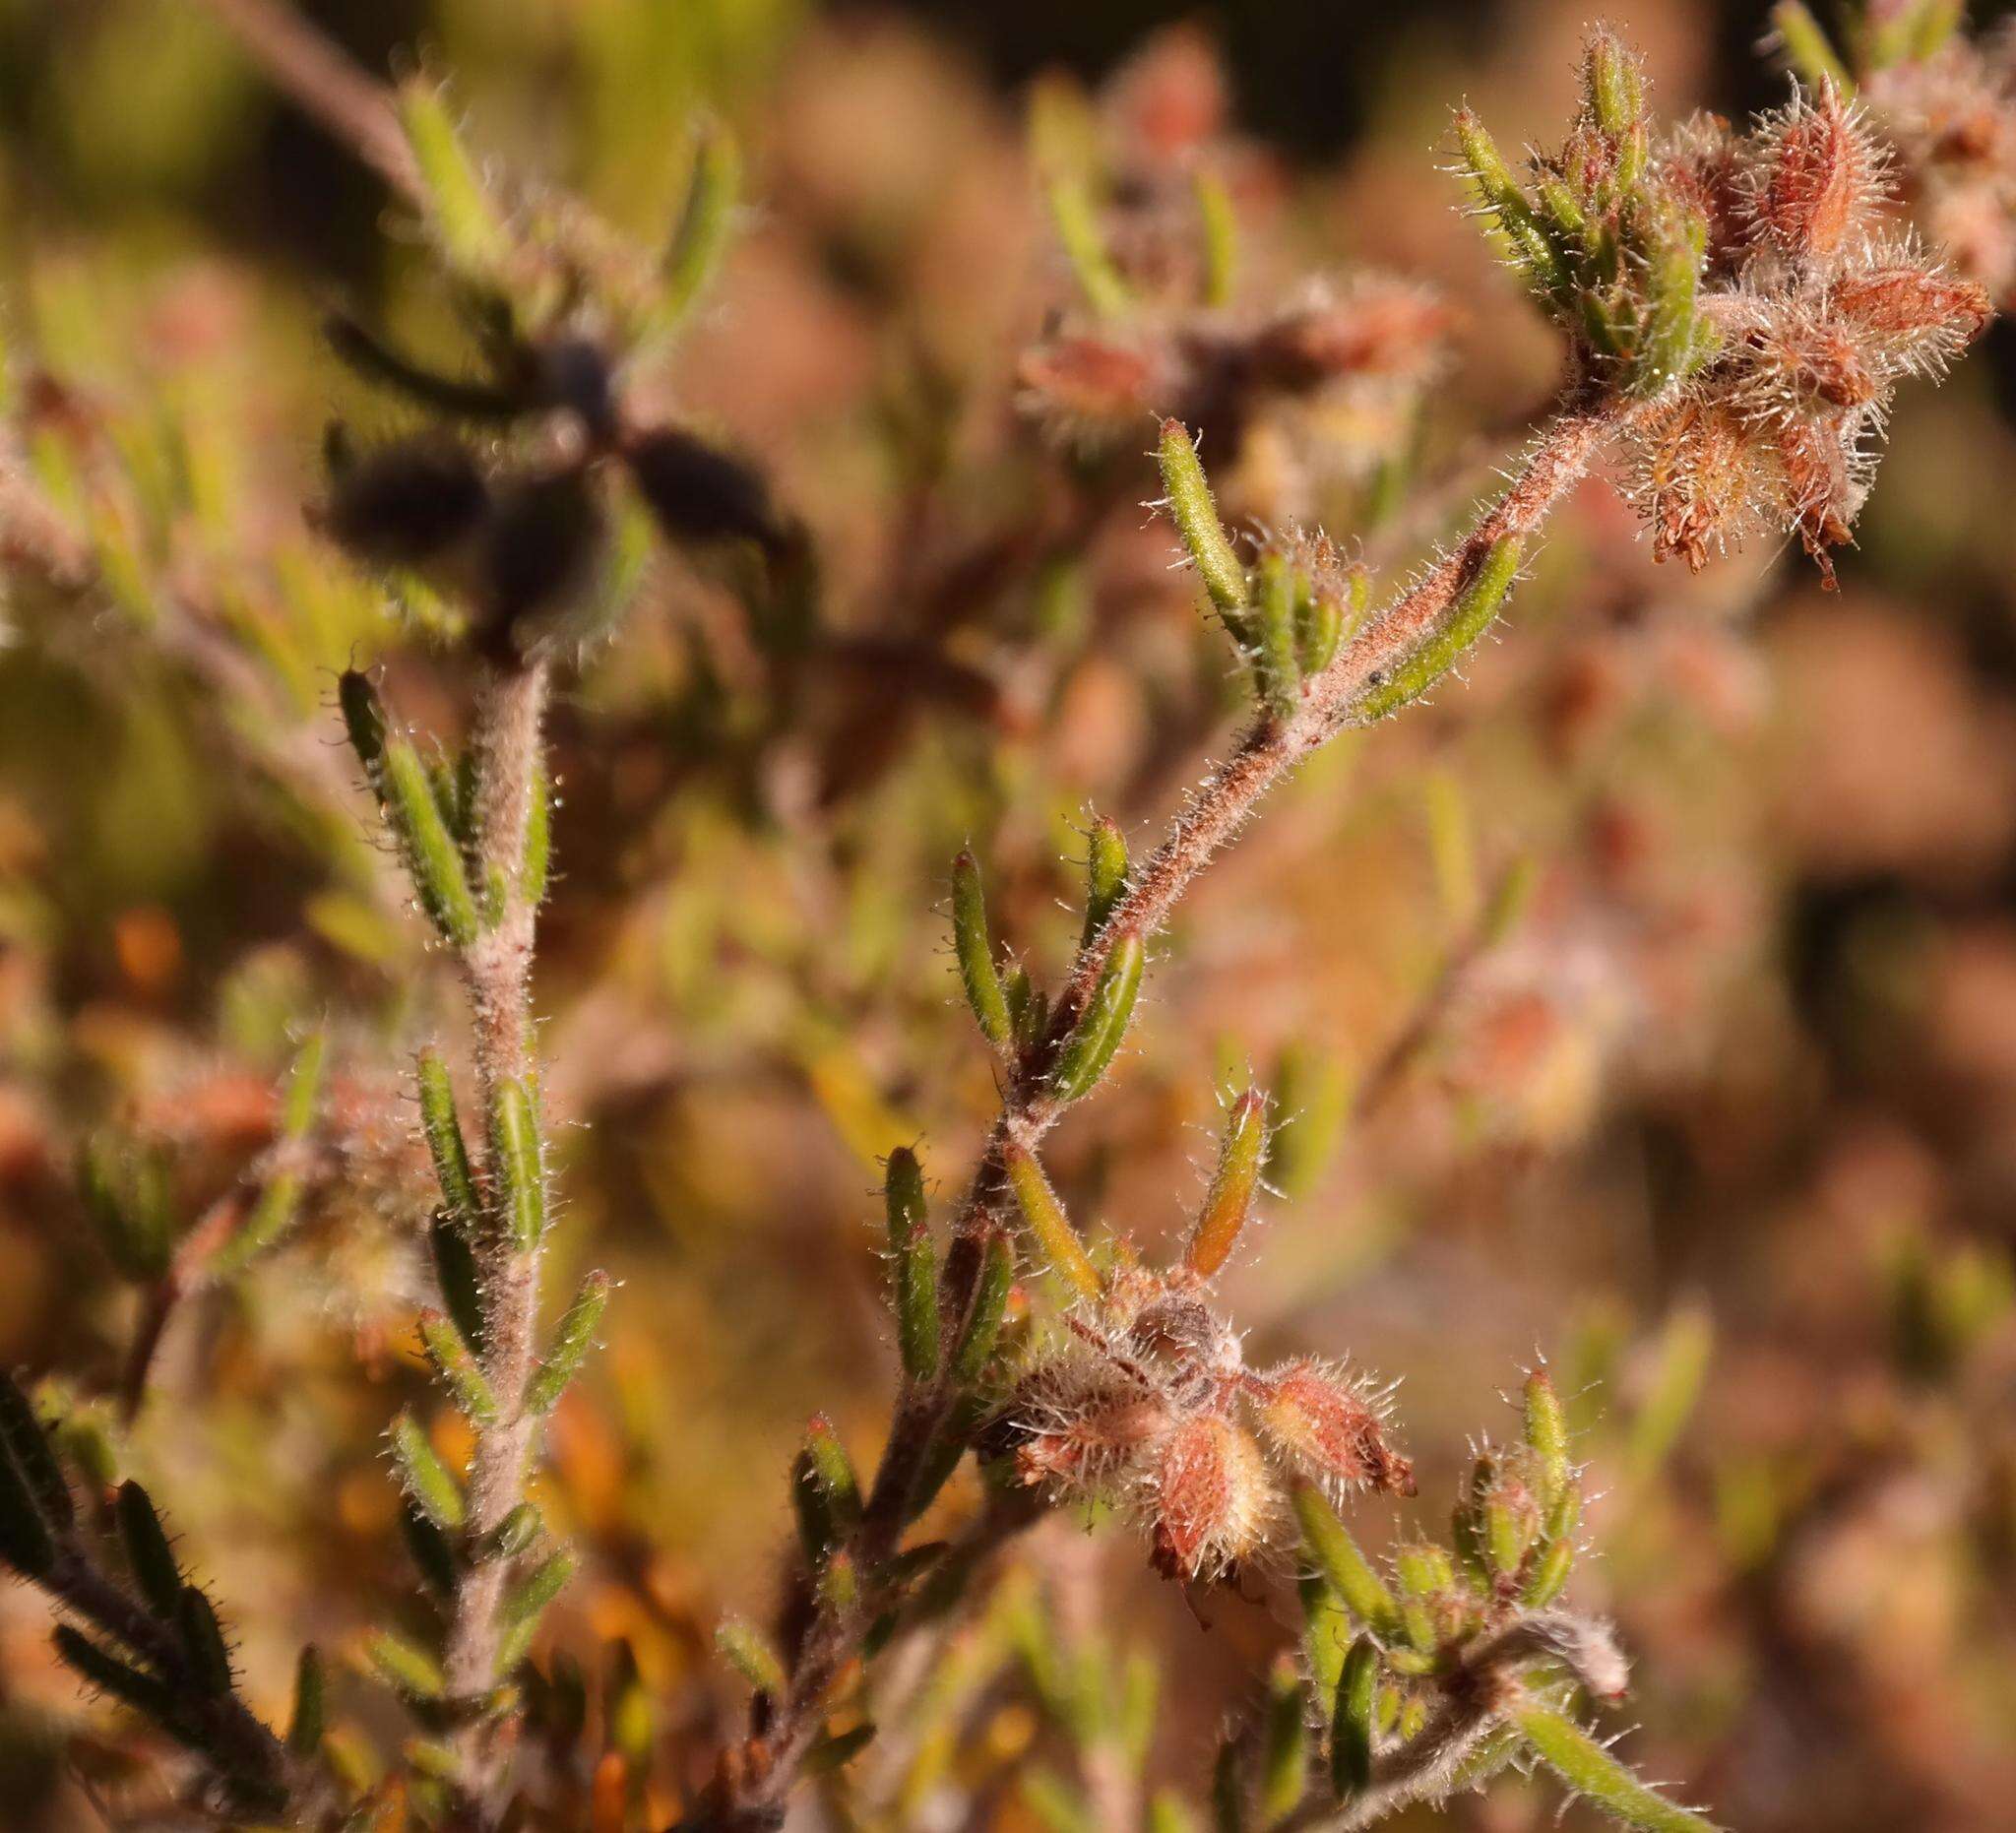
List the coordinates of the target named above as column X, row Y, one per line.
column 1696, row 480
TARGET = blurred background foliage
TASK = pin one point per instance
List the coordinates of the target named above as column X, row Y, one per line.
column 1726, row 1127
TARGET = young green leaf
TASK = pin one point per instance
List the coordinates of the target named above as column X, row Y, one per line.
column 104, row 1670
column 1196, row 519
column 459, row 212
column 915, row 1261
column 149, row 1557
column 525, row 1601
column 1076, row 218
column 1283, row 1745
column 27, row 1441
column 428, row 1480
column 405, row 1665
column 571, row 1343
column 1089, row 1049
column 1219, row 224
column 455, row 1273
column 1469, row 617
column 1277, row 669
column 745, row 1650
column 306, row 1726
column 203, row 1639
column 1592, row 1771
column 455, row 1363
column 996, row 1281
column 1329, row 1543
column 713, row 190
column 281, row 1198
column 973, row 944
column 1546, row 1436
column 25, row 1540
column 518, row 1163
column 1352, row 1729
column 1056, row 1239
column 432, row 856
column 832, row 1472
column 1106, row 875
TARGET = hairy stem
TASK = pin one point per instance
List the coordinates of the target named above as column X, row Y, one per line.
column 220, row 1721
column 1421, row 1769
column 1558, row 458
column 497, row 969
column 326, row 83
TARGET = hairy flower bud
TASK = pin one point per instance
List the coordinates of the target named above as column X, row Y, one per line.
column 1912, row 318
column 1333, row 1426
column 1089, row 388
column 1211, row 1502
column 1819, row 178
column 1083, row 1423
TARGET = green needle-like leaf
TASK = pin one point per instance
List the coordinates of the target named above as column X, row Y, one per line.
column 973, row 944
column 1196, row 519
column 1591, row 1771
column 914, row 1263
column 1056, row 1238
column 1089, row 1049
column 428, row 1480
column 571, row 1343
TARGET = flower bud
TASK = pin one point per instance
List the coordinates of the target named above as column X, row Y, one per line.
column 1229, row 1203
column 1213, row 1501
column 1084, row 1425
column 1820, row 178
column 1915, row 318
column 1331, row 1428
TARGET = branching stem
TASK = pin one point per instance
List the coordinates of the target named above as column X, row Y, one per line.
column 225, row 1728
column 1272, row 747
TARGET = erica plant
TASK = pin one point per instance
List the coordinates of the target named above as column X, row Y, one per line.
column 1735, row 309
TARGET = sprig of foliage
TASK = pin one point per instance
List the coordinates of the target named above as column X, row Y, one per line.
column 1732, row 323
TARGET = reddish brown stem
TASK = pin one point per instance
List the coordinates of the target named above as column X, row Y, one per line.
column 498, row 971
column 326, row 83
column 752, row 1790
column 185, row 1275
